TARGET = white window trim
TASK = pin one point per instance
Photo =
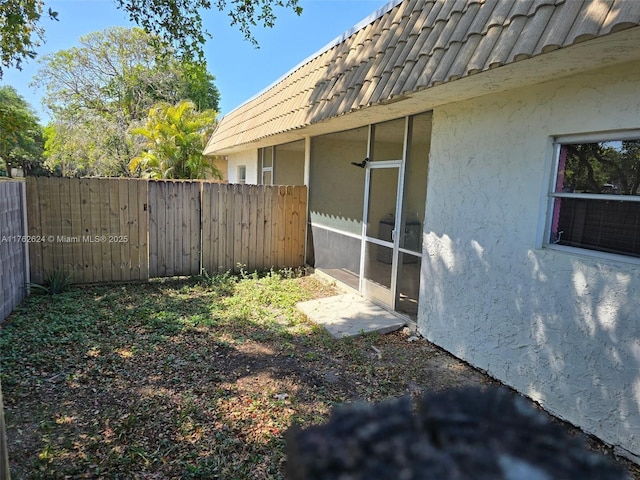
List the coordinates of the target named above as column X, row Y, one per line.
column 267, row 170
column 264, row 169
column 550, row 194
column 239, row 178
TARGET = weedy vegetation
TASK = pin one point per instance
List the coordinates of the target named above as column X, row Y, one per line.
column 54, row 283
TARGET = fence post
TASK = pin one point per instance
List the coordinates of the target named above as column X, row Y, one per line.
column 25, row 225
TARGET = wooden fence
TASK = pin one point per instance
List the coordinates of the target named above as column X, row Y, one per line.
column 14, row 272
column 105, row 230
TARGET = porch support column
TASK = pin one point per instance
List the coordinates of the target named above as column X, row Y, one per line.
column 307, row 161
column 307, row 176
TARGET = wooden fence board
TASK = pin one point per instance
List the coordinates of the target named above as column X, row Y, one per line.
column 174, row 242
column 195, row 207
column 268, row 225
column 49, row 224
column 132, row 228
column 289, row 206
column 236, row 206
column 245, row 203
column 189, row 224
column 95, row 208
column 219, row 232
column 66, row 229
column 167, row 238
column 174, row 228
column 141, row 220
column 75, row 229
column 212, row 218
column 280, row 240
column 228, row 196
column 34, row 230
column 260, row 227
column 154, row 218
column 124, row 231
column 252, row 232
column 103, row 226
column 206, row 216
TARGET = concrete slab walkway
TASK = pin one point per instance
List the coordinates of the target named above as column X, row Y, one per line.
column 349, row 315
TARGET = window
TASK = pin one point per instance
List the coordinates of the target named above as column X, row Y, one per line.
column 265, row 165
column 242, row 174
column 595, row 199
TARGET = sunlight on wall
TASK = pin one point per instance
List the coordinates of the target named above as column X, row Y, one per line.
column 479, row 249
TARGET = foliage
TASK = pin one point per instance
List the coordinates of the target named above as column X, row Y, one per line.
column 175, row 138
column 120, row 73
column 198, row 86
column 21, row 141
column 187, row 34
column 20, row 31
column 54, row 283
column 91, row 145
column 224, row 283
column 605, row 167
column 99, row 90
column 174, row 23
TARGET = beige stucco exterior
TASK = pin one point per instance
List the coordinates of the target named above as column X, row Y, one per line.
column 248, row 158
column 562, row 328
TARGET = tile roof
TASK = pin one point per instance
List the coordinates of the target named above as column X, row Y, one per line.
column 414, row 45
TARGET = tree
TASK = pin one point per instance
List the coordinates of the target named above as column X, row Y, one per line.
column 99, row 90
column 21, row 139
column 87, row 147
column 175, row 138
column 176, row 23
column 604, row 167
column 120, row 73
column 20, row 31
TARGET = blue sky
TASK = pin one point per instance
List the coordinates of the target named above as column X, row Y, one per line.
column 241, row 70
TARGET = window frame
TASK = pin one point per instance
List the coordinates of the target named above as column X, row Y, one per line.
column 262, row 170
column 241, row 179
column 552, row 195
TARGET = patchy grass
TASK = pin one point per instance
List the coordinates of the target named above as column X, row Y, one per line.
column 197, row 378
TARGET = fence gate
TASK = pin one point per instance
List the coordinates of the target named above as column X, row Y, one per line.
column 93, row 228
column 174, row 228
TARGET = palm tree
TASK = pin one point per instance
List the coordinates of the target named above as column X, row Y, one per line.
column 175, row 138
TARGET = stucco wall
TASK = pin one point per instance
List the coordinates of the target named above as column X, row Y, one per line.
column 561, row 328
column 249, row 158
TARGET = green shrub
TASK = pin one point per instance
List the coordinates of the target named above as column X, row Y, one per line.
column 224, row 284
column 54, row 283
